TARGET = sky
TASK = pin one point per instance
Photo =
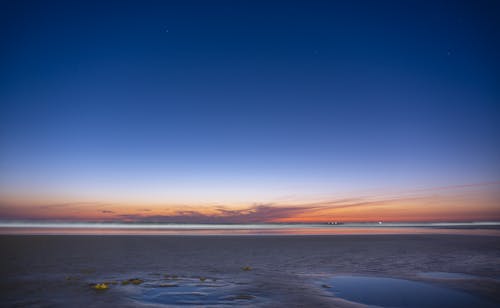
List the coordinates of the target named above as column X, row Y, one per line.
column 249, row 111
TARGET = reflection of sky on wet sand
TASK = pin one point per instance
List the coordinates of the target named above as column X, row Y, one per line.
column 193, row 291
column 390, row 292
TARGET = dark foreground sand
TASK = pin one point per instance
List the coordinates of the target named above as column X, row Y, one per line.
column 54, row 271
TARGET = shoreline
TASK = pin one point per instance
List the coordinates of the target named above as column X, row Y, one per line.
column 337, row 231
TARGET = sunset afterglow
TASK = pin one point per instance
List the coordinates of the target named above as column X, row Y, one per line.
column 179, row 113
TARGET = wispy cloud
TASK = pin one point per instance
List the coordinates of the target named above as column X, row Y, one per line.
column 262, row 212
column 254, row 214
column 459, row 186
column 428, row 204
column 67, row 205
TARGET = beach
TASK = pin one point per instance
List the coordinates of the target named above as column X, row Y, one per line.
column 295, row 154
column 264, row 271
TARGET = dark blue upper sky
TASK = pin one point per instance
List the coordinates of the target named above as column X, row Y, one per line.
column 247, row 99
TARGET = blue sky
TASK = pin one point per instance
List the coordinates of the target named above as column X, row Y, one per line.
column 246, row 101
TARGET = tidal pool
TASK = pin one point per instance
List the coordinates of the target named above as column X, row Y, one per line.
column 390, row 292
column 189, row 292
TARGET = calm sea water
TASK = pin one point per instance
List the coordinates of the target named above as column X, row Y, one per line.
column 479, row 228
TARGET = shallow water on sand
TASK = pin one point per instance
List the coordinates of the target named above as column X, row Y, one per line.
column 446, row 275
column 191, row 291
column 391, row 292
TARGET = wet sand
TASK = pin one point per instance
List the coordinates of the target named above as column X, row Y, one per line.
column 284, row 271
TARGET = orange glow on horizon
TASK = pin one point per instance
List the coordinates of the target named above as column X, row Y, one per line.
column 459, row 206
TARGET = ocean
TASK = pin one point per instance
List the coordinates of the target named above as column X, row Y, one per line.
column 108, row 228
